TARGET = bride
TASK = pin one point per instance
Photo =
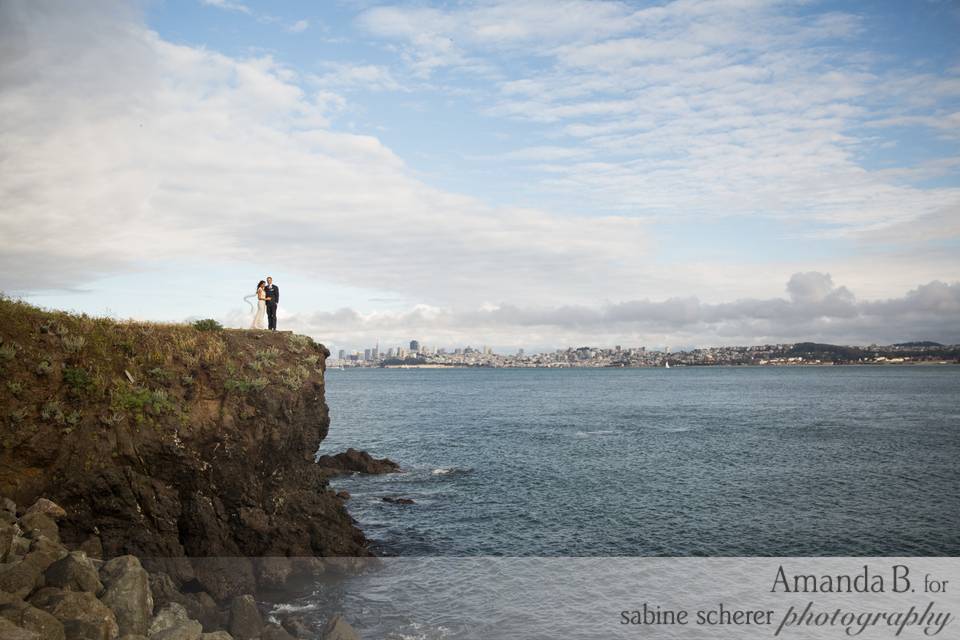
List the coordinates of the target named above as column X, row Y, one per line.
column 259, row 320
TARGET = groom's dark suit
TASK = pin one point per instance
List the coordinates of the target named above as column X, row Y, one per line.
column 273, row 293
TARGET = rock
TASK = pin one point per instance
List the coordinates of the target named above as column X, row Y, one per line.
column 8, row 505
column 296, row 627
column 343, row 495
column 224, row 578
column 173, row 623
column 50, row 509
column 93, row 547
column 245, row 620
column 164, row 591
column 354, row 461
column 398, row 500
column 131, row 636
column 203, row 608
column 31, row 618
column 10, row 631
column 338, row 629
column 273, row 631
column 216, row 635
column 82, row 615
column 273, row 572
column 74, row 572
column 20, row 578
column 19, row 547
column 127, row 593
column 37, row 524
column 44, row 552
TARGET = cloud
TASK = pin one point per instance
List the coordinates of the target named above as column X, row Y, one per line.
column 227, row 5
column 123, row 150
column 299, row 26
column 815, row 310
column 695, row 109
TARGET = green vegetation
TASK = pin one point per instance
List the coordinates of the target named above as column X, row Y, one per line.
column 207, row 324
column 73, row 344
column 52, row 411
column 246, row 385
column 78, row 381
column 44, row 368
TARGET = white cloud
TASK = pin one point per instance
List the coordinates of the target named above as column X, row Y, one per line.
column 299, row 26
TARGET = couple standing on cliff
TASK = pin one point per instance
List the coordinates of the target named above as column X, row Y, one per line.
column 268, row 296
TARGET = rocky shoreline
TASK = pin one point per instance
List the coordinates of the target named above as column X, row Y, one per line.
column 171, row 477
column 50, row 591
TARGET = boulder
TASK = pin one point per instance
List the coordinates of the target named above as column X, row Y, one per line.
column 74, row 572
column 354, row 461
column 173, row 623
column 10, row 631
column 82, row 615
column 93, row 547
column 216, row 635
column 7, row 533
column 127, row 593
column 37, row 524
column 44, row 552
column 245, row 620
column 19, row 547
column 398, row 500
column 273, row 572
column 203, row 608
column 164, row 591
column 20, row 578
column 224, row 578
column 339, row 629
column 273, row 631
column 8, row 506
column 296, row 626
column 50, row 509
column 31, row 618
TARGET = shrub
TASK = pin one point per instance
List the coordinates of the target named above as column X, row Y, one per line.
column 293, row 378
column 8, row 352
column 52, row 411
column 207, row 324
column 246, row 385
column 298, row 343
column 77, row 379
column 44, row 368
column 73, row 344
column 14, row 387
column 18, row 416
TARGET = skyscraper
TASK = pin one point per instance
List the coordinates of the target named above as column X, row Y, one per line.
column 415, row 346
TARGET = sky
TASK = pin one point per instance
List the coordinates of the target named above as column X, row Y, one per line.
column 522, row 174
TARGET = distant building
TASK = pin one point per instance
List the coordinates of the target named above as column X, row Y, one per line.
column 342, row 355
column 366, row 354
column 415, row 346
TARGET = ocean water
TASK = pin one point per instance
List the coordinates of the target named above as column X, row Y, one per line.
column 541, row 495
column 739, row 461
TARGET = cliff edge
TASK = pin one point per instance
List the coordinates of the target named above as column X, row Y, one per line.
column 170, row 441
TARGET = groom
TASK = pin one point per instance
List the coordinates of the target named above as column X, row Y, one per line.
column 273, row 297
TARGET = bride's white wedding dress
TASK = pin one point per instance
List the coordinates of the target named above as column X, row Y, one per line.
column 260, row 319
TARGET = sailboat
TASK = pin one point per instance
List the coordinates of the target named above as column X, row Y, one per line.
column 666, row 365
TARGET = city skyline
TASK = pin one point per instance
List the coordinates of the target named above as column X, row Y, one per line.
column 524, row 174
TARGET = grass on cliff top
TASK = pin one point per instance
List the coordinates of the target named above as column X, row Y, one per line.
column 69, row 369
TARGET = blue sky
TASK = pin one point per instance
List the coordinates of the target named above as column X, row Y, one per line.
column 505, row 173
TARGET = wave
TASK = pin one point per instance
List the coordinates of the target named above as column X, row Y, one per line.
column 599, row 432
column 451, row 471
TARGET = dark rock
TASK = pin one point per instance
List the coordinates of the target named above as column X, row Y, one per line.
column 82, row 615
column 7, row 534
column 93, row 547
column 398, row 500
column 10, row 631
column 273, row 631
column 36, row 524
column 296, row 626
column 343, row 495
column 44, row 552
column 164, row 591
column 203, row 608
column 245, row 620
column 19, row 547
column 20, row 578
column 224, row 578
column 31, row 618
column 127, row 593
column 216, row 635
column 74, row 572
column 338, row 629
column 9, row 506
column 273, row 572
column 354, row 461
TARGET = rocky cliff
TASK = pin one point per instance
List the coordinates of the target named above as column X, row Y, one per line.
column 171, row 441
